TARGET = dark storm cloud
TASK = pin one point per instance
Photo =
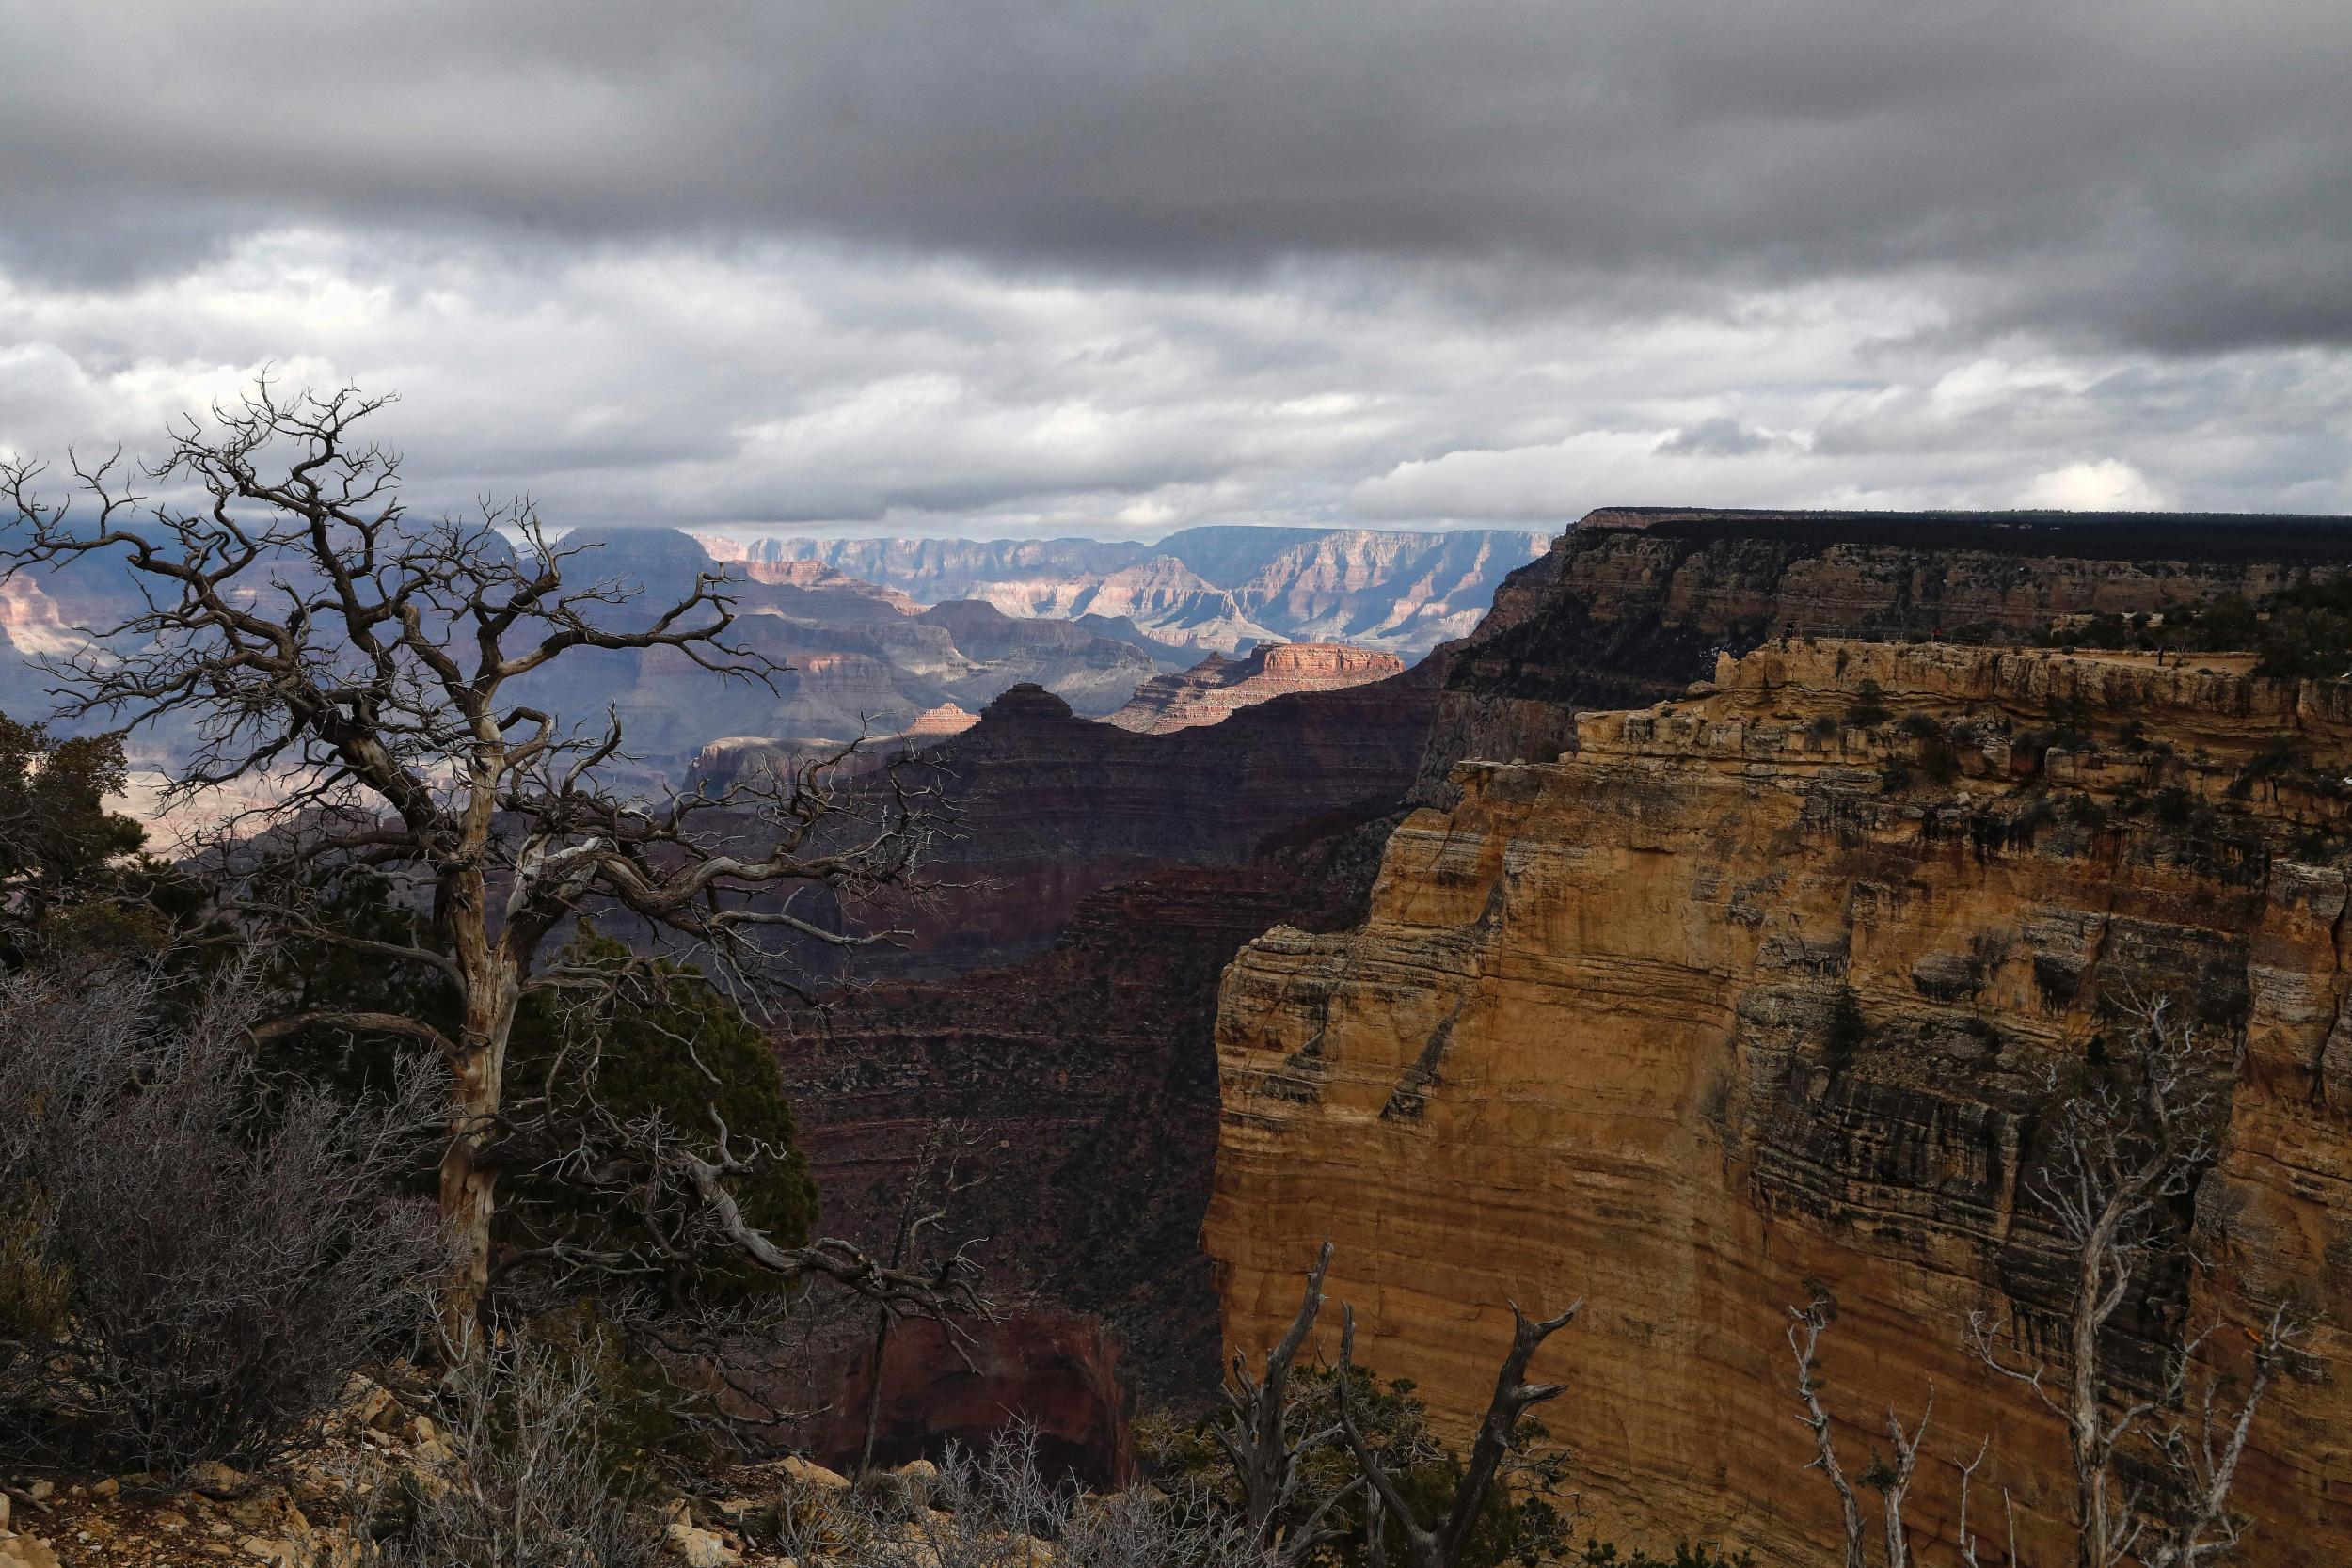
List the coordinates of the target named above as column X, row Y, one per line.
column 1096, row 266
column 2170, row 174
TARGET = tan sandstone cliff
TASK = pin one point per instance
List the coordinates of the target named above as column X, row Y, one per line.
column 1722, row 1004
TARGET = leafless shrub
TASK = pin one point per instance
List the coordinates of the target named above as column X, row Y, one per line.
column 196, row 1257
column 1890, row 1479
column 528, row 1488
column 994, row 1511
column 2153, row 1461
column 1270, row 1433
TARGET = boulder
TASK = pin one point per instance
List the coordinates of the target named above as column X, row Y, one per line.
column 701, row 1548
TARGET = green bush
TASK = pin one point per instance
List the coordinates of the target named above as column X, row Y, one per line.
column 1600, row 1555
column 661, row 1044
column 1869, row 705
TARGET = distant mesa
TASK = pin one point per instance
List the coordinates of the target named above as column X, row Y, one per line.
column 1216, row 686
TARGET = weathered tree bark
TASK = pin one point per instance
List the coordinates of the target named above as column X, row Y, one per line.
column 1804, row 1339
column 1263, row 1442
column 468, row 1182
column 1442, row 1546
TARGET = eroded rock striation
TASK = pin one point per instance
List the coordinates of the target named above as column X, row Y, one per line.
column 1754, row 989
column 1207, row 587
column 1082, row 1087
column 1052, row 807
column 1219, row 687
column 1633, row 602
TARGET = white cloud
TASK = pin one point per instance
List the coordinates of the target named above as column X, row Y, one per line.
column 811, row 386
column 2105, row 485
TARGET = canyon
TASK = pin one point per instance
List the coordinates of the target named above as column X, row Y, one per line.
column 1203, row 589
column 846, row 657
column 1568, row 1030
column 1693, row 934
column 1749, row 992
column 1076, row 1093
column 1051, row 807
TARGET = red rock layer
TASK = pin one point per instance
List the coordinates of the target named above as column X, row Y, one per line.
column 1053, row 807
column 1059, row 1374
column 1087, row 1080
column 1218, row 687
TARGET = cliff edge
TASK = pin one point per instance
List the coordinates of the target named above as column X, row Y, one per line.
column 1753, row 990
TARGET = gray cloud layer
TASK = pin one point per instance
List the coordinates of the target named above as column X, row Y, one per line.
column 1102, row 265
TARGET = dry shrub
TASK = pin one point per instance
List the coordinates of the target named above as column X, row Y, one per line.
column 530, row 1486
column 193, row 1258
column 992, row 1510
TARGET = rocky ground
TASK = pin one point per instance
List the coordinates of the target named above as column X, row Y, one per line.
column 319, row 1506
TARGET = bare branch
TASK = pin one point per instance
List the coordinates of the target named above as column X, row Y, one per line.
column 1444, row 1544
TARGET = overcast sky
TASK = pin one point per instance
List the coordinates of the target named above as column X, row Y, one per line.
column 1019, row 266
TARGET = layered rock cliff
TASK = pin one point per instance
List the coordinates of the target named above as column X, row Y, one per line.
column 1754, row 991
column 1052, row 807
column 1218, row 687
column 1633, row 602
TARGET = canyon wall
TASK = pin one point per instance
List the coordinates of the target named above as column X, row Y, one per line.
column 1754, row 989
column 1052, row 807
column 1633, row 602
column 1084, row 1084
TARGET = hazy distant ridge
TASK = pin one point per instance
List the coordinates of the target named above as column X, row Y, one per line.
column 1210, row 587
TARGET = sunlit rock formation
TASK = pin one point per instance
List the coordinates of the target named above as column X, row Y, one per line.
column 1633, row 602
column 1219, row 686
column 1753, row 989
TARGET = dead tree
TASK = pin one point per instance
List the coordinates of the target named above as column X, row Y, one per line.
column 1441, row 1544
column 931, row 1188
column 373, row 675
column 1261, row 1434
column 2124, row 1150
column 1892, row 1480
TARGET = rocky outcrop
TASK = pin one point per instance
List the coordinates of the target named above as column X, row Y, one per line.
column 1754, row 991
column 1633, row 602
column 1404, row 592
column 1161, row 593
column 935, row 722
column 1094, row 674
column 1058, row 1374
column 1218, row 686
